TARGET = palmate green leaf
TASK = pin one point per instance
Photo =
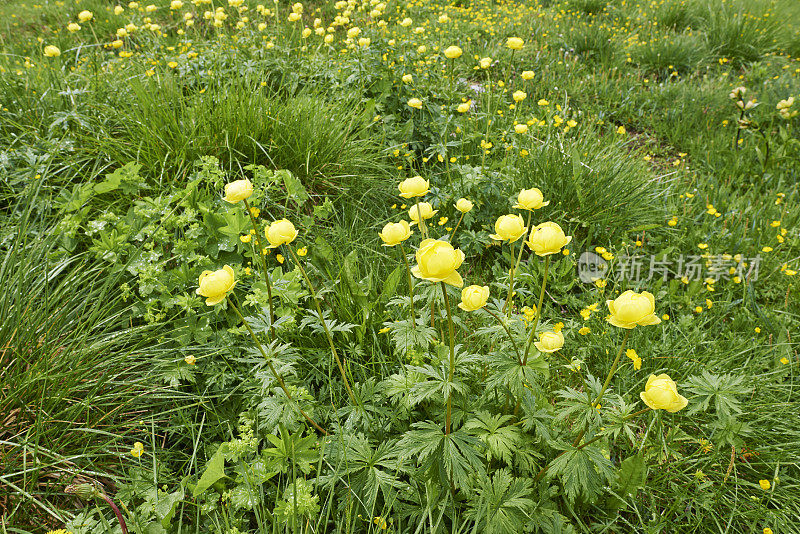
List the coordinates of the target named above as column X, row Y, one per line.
column 719, row 389
column 501, row 439
column 455, row 457
column 293, row 449
column 502, row 504
column 582, row 472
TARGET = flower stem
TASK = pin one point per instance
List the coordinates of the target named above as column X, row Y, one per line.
column 505, row 327
column 266, row 270
column 538, row 311
column 277, row 376
column 324, row 324
column 422, row 228
column 605, row 384
column 507, row 307
column 449, row 413
column 456, row 228
column 410, row 288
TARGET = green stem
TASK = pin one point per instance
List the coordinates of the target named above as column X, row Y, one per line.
column 456, row 228
column 452, row 358
column 259, row 251
column 277, row 376
column 503, row 324
column 324, row 324
column 538, row 311
column 507, row 307
column 605, row 384
column 410, row 287
column 422, row 228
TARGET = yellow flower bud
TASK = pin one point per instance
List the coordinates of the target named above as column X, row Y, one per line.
column 238, row 191
column 463, row 205
column 424, row 207
column 394, row 233
column 550, row 341
column 52, row 51
column 73, row 27
column 509, row 228
column 281, row 232
column 515, row 43
column 414, row 187
column 661, row 393
column 530, row 199
column 214, row 285
column 85, row 16
column 765, row 484
column 415, row 103
column 452, row 52
column 437, row 261
column 474, row 297
column 631, row 309
column 547, row 238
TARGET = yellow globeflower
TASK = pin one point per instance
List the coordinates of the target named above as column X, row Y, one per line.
column 631, row 309
column 408, row 78
column 238, row 191
column 85, row 16
column 548, row 238
column 52, row 51
column 527, row 75
column 661, row 393
column 452, row 52
column 424, row 207
column 294, row 17
column 214, row 285
column 765, row 484
column 515, row 43
column 485, row 62
column 509, row 228
column 437, row 261
column 281, row 232
column 464, row 106
column 73, row 27
column 414, row 187
column 530, row 199
column 550, row 341
column 474, row 297
column 637, row 361
column 463, row 205
column 415, row 103
column 137, row 450
column 395, row 233
column 519, row 96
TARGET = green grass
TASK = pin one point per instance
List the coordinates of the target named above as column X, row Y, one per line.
column 111, row 176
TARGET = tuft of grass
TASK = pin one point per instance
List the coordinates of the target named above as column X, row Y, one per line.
column 680, row 53
column 738, row 35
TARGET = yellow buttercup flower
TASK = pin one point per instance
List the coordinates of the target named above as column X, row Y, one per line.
column 190, row 359
column 509, row 228
column 85, row 16
column 137, row 450
column 238, row 191
column 395, row 233
column 637, row 361
column 463, row 205
column 452, row 52
column 437, row 261
column 281, row 232
column 52, row 51
column 631, row 309
column 214, row 285
column 519, row 96
column 414, row 187
column 527, row 75
column 473, row 297
column 415, row 103
column 547, row 238
column 550, row 341
column 530, row 199
column 464, row 106
column 521, row 129
column 424, row 207
column 515, row 43
column 661, row 393
column 485, row 62
column 765, row 484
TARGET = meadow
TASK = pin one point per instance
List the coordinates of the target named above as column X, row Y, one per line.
column 420, row 267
